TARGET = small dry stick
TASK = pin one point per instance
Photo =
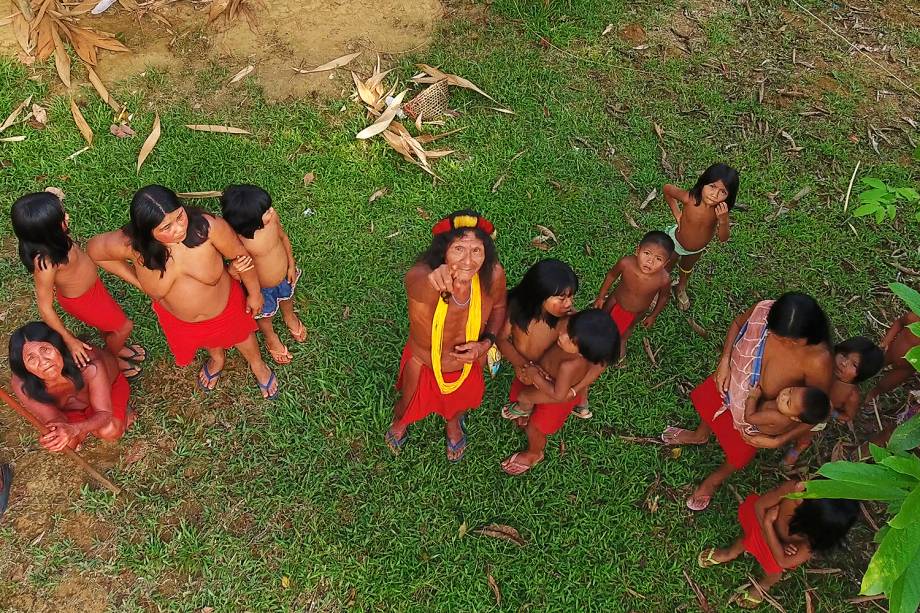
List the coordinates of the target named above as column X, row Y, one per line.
column 846, row 202
column 877, row 418
column 43, row 430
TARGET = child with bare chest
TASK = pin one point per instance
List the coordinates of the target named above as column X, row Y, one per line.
column 248, row 209
column 63, row 273
column 897, row 342
column 704, row 214
column 792, row 407
column 643, row 279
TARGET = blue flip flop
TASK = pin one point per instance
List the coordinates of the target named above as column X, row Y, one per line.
column 207, row 375
column 396, row 444
column 6, row 473
column 267, row 386
column 459, row 446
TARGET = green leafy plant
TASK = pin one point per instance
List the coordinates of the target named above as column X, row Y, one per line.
column 881, row 200
column 894, row 479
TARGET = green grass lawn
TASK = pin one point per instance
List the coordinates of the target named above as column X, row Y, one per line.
column 240, row 504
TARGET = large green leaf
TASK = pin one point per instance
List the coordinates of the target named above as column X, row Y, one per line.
column 895, row 553
column 906, row 436
column 909, row 512
column 868, row 474
column 913, row 357
column 914, row 328
column 905, row 595
column 909, row 295
column 874, row 183
column 826, row 488
column 909, row 465
column 908, row 193
column 872, row 195
column 878, row 453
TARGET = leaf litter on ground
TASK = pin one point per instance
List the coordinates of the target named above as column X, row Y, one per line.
column 502, row 532
column 331, row 65
column 150, row 142
column 84, row 128
column 216, row 129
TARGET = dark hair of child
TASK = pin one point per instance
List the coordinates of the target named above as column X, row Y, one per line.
column 38, row 222
column 817, row 406
column 243, row 206
column 824, row 521
column 148, row 208
column 545, row 279
column 596, row 336
column 717, row 172
column 799, row 316
column 40, row 332
column 436, row 253
column 657, row 237
column 871, row 356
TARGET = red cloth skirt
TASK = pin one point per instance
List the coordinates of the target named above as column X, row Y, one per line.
column 622, row 318
column 121, row 393
column 95, row 307
column 548, row 417
column 707, row 399
column 754, row 541
column 230, row 327
column 427, row 397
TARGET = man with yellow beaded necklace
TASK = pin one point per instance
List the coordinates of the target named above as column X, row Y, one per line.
column 457, row 293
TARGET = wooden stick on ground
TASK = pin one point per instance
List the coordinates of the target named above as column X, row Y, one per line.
column 42, row 430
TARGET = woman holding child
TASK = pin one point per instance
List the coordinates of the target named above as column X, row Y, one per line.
column 175, row 255
column 774, row 345
column 456, row 293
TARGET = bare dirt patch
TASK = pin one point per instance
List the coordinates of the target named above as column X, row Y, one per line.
column 285, row 34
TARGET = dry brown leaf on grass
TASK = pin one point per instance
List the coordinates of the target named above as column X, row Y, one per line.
column 84, row 128
column 364, row 93
column 11, row 119
column 150, row 142
column 199, row 195
column 495, row 591
column 430, row 138
column 377, row 194
column 651, row 196
column 22, row 32
column 217, row 129
column 452, row 79
column 377, row 78
column 309, row 178
column 39, row 114
column 701, row 600
column 121, row 130
column 61, row 59
column 332, row 65
column 102, row 91
column 383, row 122
column 502, row 532
column 241, row 74
column 12, row 139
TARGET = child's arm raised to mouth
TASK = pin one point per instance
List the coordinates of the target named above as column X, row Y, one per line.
column 802, row 551
column 722, row 220
column 612, row 275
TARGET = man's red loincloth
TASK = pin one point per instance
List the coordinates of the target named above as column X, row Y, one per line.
column 428, row 399
column 622, row 318
column 121, row 393
column 230, row 327
column 707, row 399
column 95, row 307
column 547, row 417
column 754, row 541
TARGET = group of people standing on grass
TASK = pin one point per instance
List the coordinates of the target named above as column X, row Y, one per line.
column 779, row 379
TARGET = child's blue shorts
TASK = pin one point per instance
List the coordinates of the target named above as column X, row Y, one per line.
column 274, row 295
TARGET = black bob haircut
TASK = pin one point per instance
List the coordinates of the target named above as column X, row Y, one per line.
column 824, row 521
column 657, row 237
column 817, row 406
column 38, row 222
column 871, row 356
column 596, row 336
column 717, row 172
column 545, row 279
column 40, row 332
column 243, row 206
column 148, row 208
column 436, row 253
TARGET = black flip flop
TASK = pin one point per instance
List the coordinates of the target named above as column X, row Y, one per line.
column 6, row 473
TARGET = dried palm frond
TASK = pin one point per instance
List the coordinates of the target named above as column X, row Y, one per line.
column 231, row 9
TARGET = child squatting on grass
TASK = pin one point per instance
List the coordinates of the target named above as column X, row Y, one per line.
column 783, row 534
column 63, row 272
column 248, row 209
column 897, row 342
column 643, row 279
column 587, row 344
column 704, row 214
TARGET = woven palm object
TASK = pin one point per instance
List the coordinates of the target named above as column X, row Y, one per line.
column 431, row 102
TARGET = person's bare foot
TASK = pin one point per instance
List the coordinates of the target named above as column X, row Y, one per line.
column 209, row 374
column 268, row 382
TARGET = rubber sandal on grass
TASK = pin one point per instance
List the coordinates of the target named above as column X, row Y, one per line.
column 268, row 385
column 209, row 376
